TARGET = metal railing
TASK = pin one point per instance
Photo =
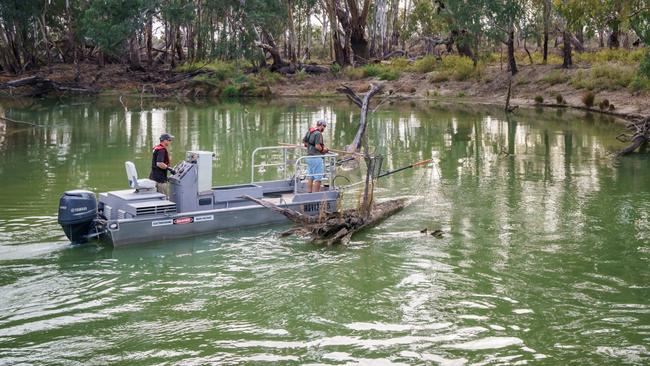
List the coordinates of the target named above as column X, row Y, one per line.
column 283, row 164
column 328, row 173
column 297, row 164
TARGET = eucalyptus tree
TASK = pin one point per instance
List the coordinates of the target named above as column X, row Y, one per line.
column 502, row 17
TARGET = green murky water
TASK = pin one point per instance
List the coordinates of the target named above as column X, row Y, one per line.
column 545, row 257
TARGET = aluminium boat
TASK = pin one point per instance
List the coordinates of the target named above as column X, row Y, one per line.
column 140, row 214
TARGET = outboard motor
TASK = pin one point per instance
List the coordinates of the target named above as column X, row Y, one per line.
column 77, row 214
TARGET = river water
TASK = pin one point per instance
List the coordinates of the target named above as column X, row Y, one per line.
column 544, row 258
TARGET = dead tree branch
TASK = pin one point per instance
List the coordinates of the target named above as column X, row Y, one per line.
column 637, row 133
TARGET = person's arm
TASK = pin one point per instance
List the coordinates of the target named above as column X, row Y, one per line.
column 319, row 145
column 160, row 160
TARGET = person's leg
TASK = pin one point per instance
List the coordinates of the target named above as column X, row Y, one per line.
column 319, row 169
column 160, row 187
column 310, row 183
column 163, row 188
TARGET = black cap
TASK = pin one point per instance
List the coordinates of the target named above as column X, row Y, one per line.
column 166, row 136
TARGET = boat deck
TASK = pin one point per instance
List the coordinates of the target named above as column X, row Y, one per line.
column 279, row 198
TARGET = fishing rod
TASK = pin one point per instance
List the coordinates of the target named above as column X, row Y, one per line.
column 422, row 162
column 332, row 150
column 384, row 174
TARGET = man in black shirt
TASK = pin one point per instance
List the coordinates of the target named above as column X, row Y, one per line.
column 160, row 164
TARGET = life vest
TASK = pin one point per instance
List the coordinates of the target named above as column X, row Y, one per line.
column 161, row 147
column 307, row 138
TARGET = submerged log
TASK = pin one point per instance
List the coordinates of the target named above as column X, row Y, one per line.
column 334, row 228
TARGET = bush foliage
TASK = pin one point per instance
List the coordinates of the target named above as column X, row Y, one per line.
column 588, row 99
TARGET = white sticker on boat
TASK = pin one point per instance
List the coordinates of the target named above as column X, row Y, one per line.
column 162, row 222
column 203, row 218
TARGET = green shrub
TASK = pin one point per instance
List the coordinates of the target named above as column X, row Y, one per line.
column 240, row 79
column 644, row 65
column 264, row 78
column 555, row 77
column 206, row 80
column 460, row 94
column 371, row 70
column 389, row 74
column 460, row 68
column 437, row 77
column 539, row 99
column 230, row 91
column 383, row 72
column 335, row 69
column 400, row 63
column 639, row 83
column 605, row 76
column 425, row 64
column 588, row 99
column 538, row 58
column 559, row 99
column 611, row 107
column 220, row 70
column 301, row 75
column 354, row 73
column 628, row 57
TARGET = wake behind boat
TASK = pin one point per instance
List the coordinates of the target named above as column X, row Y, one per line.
column 195, row 207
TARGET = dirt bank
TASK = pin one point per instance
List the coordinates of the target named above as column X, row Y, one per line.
column 530, row 82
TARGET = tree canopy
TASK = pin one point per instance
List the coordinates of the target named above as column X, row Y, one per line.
column 168, row 32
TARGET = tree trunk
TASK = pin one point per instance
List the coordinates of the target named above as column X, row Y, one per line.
column 149, row 39
column 580, row 36
column 601, row 38
column 291, row 41
column 179, row 44
column 566, row 49
column 394, row 38
column 530, row 58
column 338, row 40
column 613, row 41
column 362, row 103
column 512, row 62
column 547, row 11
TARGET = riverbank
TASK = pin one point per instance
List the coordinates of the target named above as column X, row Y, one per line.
column 534, row 85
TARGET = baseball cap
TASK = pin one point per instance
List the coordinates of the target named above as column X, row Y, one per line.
column 166, row 136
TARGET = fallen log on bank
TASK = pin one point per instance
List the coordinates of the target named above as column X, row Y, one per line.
column 41, row 86
column 334, row 228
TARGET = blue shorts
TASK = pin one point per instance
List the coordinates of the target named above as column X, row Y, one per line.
column 315, row 168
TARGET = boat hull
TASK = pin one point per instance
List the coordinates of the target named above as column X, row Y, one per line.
column 159, row 228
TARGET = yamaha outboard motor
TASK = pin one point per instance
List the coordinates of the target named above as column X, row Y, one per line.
column 77, row 214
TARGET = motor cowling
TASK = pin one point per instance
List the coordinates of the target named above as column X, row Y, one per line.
column 77, row 214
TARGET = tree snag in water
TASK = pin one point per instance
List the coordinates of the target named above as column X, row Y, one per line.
column 338, row 227
column 638, row 135
column 334, row 228
column 363, row 103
